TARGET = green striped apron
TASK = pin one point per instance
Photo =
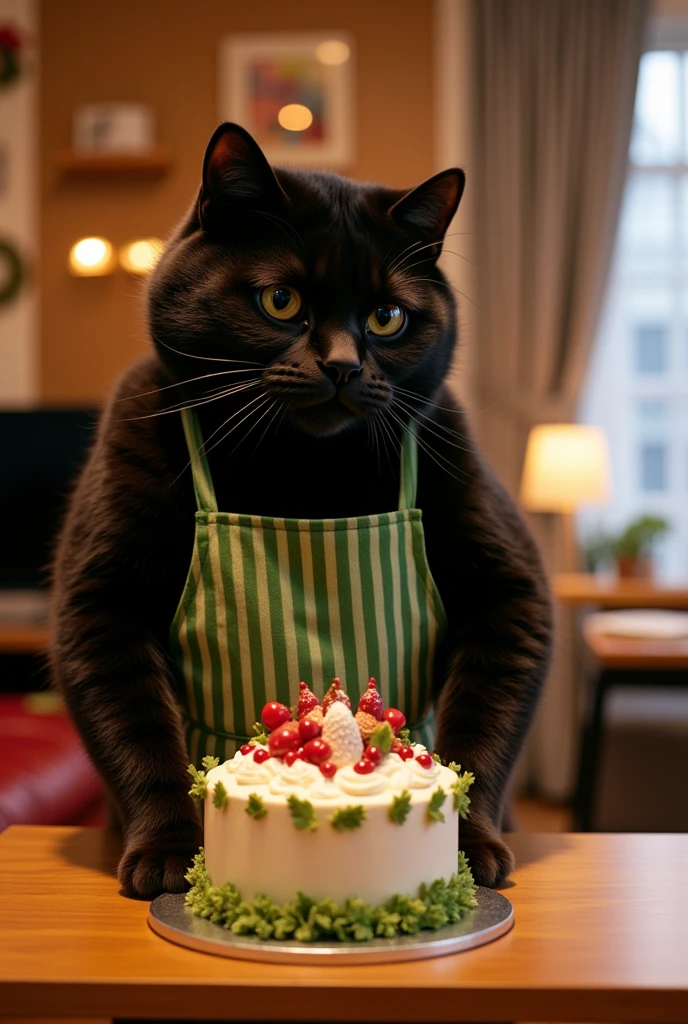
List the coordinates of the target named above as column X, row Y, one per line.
column 269, row 602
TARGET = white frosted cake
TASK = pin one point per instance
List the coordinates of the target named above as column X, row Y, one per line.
column 329, row 816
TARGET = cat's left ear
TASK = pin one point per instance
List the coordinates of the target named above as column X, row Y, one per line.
column 429, row 208
column 236, row 171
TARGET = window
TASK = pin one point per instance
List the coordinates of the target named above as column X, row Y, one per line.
column 650, row 348
column 637, row 386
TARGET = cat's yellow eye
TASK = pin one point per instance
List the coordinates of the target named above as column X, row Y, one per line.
column 281, row 302
column 386, row 321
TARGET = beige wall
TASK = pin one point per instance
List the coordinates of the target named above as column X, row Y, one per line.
column 163, row 52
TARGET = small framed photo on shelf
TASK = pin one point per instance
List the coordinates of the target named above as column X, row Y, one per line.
column 294, row 93
column 114, row 128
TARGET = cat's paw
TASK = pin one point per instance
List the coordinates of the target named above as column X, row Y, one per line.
column 148, row 870
column 490, row 860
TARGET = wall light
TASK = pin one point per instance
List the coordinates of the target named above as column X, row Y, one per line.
column 332, row 51
column 295, row 117
column 91, row 257
column 141, row 255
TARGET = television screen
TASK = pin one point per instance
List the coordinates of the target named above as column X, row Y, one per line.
column 41, row 452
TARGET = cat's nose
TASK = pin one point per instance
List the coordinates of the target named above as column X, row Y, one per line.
column 339, row 359
column 340, row 370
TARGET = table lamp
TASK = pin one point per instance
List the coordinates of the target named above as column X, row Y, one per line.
column 566, row 465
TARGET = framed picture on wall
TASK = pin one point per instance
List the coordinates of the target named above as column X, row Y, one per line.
column 293, row 93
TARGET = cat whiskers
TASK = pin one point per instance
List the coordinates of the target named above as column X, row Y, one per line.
column 436, row 456
column 207, row 359
column 429, row 426
column 283, row 225
column 204, row 447
column 221, row 392
column 180, row 383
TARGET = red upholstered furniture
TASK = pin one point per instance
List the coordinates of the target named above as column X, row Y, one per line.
column 45, row 775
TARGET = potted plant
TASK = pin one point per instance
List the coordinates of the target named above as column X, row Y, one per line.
column 631, row 549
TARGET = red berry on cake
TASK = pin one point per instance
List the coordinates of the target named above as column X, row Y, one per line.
column 246, row 749
column 341, row 732
column 286, row 737
column 364, row 767
column 366, row 723
column 371, row 701
column 328, row 769
column 290, row 757
column 317, row 751
column 309, row 728
column 307, row 700
column 274, row 715
column 333, row 695
column 425, row 760
column 261, row 754
column 406, row 753
column 373, row 754
column 395, row 718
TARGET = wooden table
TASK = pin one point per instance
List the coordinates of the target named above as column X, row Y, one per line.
column 601, row 934
column 575, row 589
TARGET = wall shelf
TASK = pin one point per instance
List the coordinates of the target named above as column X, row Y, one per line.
column 153, row 164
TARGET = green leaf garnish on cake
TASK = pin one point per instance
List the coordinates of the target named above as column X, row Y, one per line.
column 302, row 814
column 347, row 819
column 436, row 800
column 382, row 737
column 460, row 789
column 255, row 808
column 220, row 796
column 400, row 807
column 260, row 735
column 209, row 762
column 199, row 786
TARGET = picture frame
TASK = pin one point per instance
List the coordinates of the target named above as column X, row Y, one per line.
column 265, row 79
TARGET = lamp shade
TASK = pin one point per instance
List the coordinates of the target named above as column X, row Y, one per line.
column 566, row 465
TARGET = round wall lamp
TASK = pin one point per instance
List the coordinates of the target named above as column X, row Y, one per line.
column 141, row 255
column 91, row 257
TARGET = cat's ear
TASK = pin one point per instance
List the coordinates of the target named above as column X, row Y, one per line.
column 429, row 208
column 235, row 171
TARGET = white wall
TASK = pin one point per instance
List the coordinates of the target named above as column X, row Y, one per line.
column 19, row 213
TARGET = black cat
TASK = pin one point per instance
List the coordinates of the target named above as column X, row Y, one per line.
column 305, row 317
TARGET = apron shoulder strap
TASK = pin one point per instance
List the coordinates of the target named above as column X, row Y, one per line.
column 409, row 468
column 202, row 480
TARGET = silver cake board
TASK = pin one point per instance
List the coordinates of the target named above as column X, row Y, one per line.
column 494, row 916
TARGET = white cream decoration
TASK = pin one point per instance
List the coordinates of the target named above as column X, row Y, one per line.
column 232, row 766
column 299, row 775
column 324, row 789
column 349, row 781
column 252, row 773
column 421, row 778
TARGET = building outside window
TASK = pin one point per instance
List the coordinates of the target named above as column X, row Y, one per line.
column 637, row 386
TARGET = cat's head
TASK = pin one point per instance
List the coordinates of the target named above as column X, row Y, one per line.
column 322, row 294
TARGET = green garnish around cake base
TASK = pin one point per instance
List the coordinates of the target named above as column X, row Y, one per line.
column 308, row 920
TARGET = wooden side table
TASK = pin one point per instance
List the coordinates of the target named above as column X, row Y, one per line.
column 627, row 661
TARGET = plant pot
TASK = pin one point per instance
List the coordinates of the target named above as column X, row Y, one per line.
column 638, row 567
